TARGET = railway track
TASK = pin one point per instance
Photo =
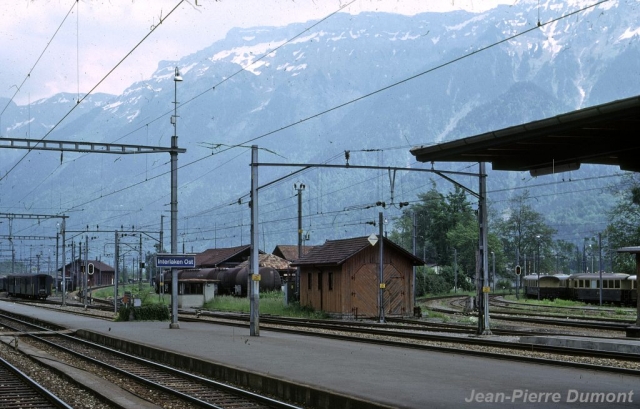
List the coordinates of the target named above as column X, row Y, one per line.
column 196, row 390
column 141, row 376
column 18, row 390
column 456, row 305
column 417, row 336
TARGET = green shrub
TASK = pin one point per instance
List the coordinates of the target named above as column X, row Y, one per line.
column 155, row 312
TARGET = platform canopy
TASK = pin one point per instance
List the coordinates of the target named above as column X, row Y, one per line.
column 605, row 134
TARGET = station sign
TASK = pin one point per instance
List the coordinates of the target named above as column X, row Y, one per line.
column 176, row 261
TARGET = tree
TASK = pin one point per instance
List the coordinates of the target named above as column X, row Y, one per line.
column 445, row 223
column 524, row 232
column 624, row 227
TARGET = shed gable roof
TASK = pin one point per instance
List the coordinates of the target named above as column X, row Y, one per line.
column 336, row 252
column 290, row 251
column 215, row 257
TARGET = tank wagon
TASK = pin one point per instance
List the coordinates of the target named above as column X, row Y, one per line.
column 232, row 281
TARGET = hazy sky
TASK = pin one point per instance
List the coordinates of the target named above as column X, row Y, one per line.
column 75, row 53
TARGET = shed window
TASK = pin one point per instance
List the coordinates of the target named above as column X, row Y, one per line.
column 319, row 281
column 309, row 281
column 330, row 281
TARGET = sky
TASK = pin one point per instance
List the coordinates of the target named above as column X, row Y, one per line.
column 52, row 46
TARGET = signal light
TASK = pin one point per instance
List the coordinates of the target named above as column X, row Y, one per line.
column 518, row 270
column 90, row 269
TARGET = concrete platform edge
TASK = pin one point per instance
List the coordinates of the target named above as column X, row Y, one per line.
column 286, row 390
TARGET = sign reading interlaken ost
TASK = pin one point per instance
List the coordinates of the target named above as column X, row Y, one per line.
column 175, row 261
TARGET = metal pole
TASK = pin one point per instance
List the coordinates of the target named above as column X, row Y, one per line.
column 517, row 276
column 493, row 273
column 140, row 265
column 86, row 269
column 455, row 270
column 57, row 255
column 79, row 273
column 116, row 273
column 254, row 295
column 64, row 265
column 299, row 188
column 483, row 248
column 174, row 203
column 414, row 247
column 600, row 264
column 381, row 269
column 161, row 248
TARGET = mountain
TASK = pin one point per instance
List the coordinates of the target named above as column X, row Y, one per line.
column 373, row 84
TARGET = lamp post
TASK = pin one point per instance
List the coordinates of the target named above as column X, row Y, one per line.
column 174, row 202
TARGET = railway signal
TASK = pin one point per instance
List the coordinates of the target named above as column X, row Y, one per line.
column 518, row 270
column 90, row 269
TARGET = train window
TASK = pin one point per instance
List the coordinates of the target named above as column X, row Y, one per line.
column 617, row 284
column 605, row 284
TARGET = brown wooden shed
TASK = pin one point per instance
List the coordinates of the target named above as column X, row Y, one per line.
column 341, row 278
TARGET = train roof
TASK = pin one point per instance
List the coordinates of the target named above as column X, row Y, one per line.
column 559, row 277
column 605, row 276
column 555, row 277
column 633, row 278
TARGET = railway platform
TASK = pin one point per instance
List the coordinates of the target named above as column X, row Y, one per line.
column 347, row 374
column 628, row 346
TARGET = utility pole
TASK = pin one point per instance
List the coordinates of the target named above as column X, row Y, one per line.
column 116, row 257
column 85, row 276
column 254, row 294
column 299, row 187
column 381, row 272
column 413, row 246
column 174, row 202
column 484, row 260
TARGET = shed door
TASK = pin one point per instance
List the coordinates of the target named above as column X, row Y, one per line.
column 364, row 291
column 394, row 293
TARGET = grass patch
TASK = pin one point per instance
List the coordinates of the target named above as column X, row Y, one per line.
column 145, row 293
column 271, row 303
column 558, row 302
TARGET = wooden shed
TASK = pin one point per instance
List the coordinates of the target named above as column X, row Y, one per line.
column 341, row 277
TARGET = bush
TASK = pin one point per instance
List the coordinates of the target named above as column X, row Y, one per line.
column 156, row 312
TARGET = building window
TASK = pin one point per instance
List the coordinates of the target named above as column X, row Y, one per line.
column 330, row 281
column 309, row 281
